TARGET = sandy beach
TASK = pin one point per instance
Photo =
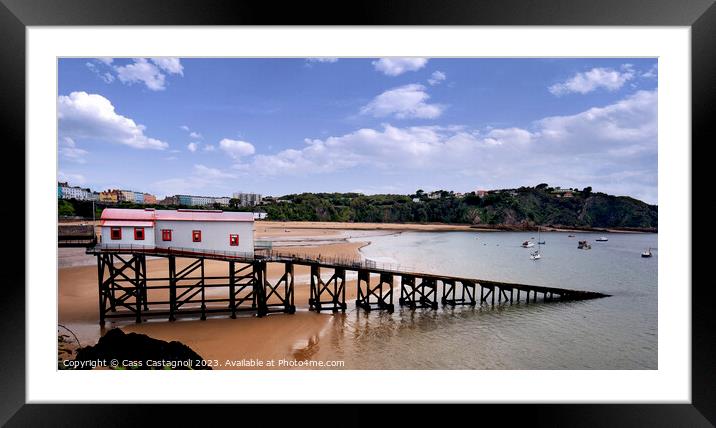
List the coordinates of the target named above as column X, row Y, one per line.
column 277, row 336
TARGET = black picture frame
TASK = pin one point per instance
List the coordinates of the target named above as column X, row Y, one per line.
column 16, row 15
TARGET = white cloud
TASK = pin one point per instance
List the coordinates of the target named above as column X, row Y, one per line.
column 436, row 78
column 612, row 148
column 151, row 73
column 209, row 148
column 195, row 135
column 105, row 76
column 142, row 71
column 192, row 147
column 184, row 127
column 68, row 150
column 594, row 79
column 105, row 60
column 92, row 117
column 236, row 148
column 404, row 102
column 170, row 65
column 397, row 66
column 201, row 180
column 322, row 59
column 71, row 178
column 651, row 73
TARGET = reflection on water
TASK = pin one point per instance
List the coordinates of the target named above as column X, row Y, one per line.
column 618, row 332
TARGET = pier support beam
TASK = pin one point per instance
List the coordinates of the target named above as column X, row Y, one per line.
column 334, row 289
column 382, row 292
column 418, row 292
column 274, row 298
column 125, row 285
column 451, row 297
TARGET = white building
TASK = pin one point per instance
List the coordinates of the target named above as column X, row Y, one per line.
column 181, row 230
column 75, row 192
column 248, row 199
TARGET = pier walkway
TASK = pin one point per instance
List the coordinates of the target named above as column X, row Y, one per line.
column 124, row 285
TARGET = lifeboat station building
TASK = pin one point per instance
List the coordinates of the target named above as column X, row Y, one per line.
column 195, row 231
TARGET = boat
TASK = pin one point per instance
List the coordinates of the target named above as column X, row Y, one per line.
column 528, row 244
column 570, row 236
column 584, row 245
column 536, row 255
column 602, row 239
column 539, row 241
column 646, row 253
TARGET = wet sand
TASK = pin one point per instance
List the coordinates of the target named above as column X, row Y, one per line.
column 276, row 336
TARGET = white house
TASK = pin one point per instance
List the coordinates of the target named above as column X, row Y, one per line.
column 180, row 230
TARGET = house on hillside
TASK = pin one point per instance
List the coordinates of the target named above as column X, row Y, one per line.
column 182, row 230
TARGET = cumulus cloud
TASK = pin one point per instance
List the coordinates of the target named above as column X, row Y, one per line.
column 192, row 147
column 612, row 148
column 436, row 78
column 84, row 116
column 409, row 101
column 398, row 66
column 236, row 148
column 170, row 65
column 596, row 78
column 152, row 73
column 195, row 135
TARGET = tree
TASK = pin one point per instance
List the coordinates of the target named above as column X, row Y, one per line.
column 587, row 191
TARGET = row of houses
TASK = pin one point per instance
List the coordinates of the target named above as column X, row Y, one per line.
column 110, row 196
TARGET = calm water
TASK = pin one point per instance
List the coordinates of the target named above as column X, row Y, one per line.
column 618, row 332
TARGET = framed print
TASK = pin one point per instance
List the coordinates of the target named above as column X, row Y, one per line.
column 465, row 203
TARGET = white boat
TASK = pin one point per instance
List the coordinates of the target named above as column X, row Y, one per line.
column 602, row 239
column 528, row 244
column 536, row 255
column 646, row 253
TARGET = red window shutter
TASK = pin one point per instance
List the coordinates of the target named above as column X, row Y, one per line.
column 196, row 235
column 234, row 240
column 139, row 234
column 166, row 234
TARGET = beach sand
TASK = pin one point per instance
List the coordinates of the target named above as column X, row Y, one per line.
column 276, row 336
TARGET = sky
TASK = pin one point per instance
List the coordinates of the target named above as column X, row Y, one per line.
column 215, row 126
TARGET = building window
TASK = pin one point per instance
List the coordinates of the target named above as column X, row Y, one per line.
column 234, row 240
column 166, row 234
column 115, row 233
column 196, row 235
column 139, row 234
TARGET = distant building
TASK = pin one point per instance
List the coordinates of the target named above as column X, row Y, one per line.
column 481, row 193
column 125, row 196
column 139, row 198
column 247, row 199
column 416, row 199
column 64, row 191
column 108, row 196
column 223, row 201
column 150, row 199
column 93, row 196
column 564, row 193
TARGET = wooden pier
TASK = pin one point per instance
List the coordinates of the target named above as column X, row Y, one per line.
column 124, row 285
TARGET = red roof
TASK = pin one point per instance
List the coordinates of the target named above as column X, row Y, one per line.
column 133, row 216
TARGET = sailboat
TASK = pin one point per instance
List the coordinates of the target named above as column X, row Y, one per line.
column 539, row 241
column 536, row 255
column 646, row 253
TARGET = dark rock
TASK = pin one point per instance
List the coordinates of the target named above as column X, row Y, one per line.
column 144, row 352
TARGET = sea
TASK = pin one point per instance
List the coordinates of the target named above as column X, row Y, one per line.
column 611, row 333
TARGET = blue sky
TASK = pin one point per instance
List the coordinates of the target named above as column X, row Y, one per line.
column 389, row 125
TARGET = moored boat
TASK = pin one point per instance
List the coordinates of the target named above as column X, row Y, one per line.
column 528, row 244
column 646, row 253
column 584, row 245
column 602, row 239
